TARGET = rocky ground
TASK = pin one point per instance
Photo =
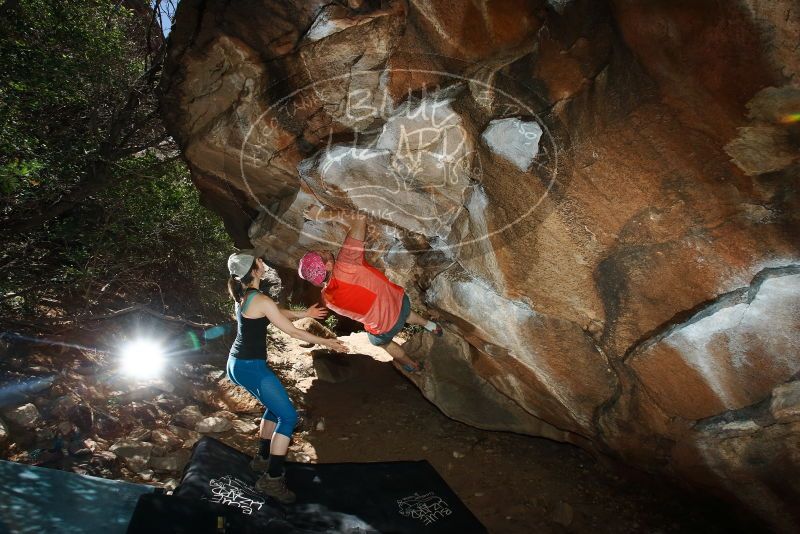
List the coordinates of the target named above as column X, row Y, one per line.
column 76, row 413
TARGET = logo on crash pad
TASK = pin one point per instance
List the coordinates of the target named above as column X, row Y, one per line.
column 233, row 492
column 427, row 507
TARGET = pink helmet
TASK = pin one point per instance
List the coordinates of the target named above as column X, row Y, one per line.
column 312, row 268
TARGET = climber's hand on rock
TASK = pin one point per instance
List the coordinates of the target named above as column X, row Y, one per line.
column 315, row 311
column 336, row 345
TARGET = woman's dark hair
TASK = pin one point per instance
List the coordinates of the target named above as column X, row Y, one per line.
column 236, row 286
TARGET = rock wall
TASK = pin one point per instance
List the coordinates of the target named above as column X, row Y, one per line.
column 598, row 198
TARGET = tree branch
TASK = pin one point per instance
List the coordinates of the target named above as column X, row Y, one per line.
column 142, row 308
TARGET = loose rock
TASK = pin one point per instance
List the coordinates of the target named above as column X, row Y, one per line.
column 165, row 438
column 243, row 427
column 140, row 434
column 563, row 514
column 785, row 404
column 26, row 416
column 172, row 462
column 213, row 424
column 82, row 416
column 189, row 416
column 129, row 448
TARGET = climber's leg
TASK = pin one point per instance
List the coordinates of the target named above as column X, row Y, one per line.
column 414, row 318
column 430, row 326
column 267, row 428
column 400, row 356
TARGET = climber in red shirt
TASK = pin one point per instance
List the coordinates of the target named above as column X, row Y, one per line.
column 354, row 288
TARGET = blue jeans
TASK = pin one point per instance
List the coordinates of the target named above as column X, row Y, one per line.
column 261, row 382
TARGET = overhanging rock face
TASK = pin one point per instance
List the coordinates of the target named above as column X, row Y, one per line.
column 599, row 198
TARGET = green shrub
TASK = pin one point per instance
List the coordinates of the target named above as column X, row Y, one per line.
column 69, row 70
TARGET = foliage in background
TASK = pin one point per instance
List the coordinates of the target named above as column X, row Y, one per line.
column 64, row 65
column 96, row 209
column 139, row 240
column 331, row 321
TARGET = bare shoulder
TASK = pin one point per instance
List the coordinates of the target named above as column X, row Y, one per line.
column 263, row 300
column 258, row 305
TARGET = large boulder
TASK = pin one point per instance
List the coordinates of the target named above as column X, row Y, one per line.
column 597, row 199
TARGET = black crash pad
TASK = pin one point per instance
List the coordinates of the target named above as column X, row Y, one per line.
column 217, row 494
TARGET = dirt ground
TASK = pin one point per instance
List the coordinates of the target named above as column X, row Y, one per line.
column 359, row 408
column 512, row 483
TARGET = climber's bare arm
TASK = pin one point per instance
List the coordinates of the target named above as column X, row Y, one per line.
column 357, row 222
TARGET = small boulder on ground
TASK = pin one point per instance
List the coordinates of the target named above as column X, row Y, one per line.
column 26, row 416
column 82, row 416
column 136, row 454
column 104, row 458
column 189, row 437
column 563, row 514
column 171, row 462
column 213, row 424
column 62, row 404
column 165, row 438
column 183, row 433
column 189, row 416
column 244, row 427
column 128, row 448
column 164, row 385
column 79, row 448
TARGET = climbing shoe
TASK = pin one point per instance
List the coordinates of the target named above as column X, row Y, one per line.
column 410, row 369
column 275, row 488
column 259, row 463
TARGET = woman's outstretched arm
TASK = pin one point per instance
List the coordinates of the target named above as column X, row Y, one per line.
column 315, row 311
column 273, row 313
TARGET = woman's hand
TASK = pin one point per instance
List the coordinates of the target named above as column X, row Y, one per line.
column 335, row 345
column 315, row 311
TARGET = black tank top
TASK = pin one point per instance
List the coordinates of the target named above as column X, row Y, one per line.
column 251, row 334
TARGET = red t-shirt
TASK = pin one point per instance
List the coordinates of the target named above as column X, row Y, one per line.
column 360, row 291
